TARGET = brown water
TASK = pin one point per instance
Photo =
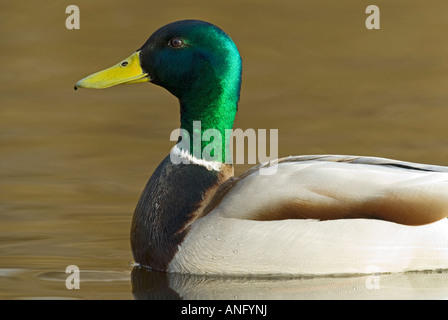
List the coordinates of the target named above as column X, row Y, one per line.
column 73, row 164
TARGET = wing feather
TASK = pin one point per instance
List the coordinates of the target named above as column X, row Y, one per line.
column 328, row 187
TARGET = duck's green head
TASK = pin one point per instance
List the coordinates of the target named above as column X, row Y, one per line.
column 184, row 57
column 192, row 57
column 195, row 61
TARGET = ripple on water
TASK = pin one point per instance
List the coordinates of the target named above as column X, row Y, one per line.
column 88, row 276
column 10, row 272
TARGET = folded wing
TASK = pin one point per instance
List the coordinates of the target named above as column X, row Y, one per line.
column 337, row 187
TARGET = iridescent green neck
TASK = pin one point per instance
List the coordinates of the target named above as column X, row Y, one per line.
column 207, row 121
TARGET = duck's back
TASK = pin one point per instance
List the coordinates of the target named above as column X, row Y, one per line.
column 339, row 187
column 320, row 215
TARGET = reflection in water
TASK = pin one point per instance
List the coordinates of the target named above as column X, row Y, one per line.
column 151, row 285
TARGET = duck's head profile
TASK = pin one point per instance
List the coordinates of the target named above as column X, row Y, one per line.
column 184, row 57
column 194, row 60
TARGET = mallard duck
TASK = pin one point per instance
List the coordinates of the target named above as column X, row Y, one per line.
column 322, row 214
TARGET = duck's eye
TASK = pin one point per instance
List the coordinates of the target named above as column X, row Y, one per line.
column 175, row 43
column 124, row 64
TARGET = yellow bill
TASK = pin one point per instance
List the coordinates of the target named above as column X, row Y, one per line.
column 127, row 71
